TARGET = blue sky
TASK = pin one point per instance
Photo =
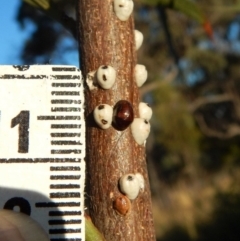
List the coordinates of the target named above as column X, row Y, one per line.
column 12, row 36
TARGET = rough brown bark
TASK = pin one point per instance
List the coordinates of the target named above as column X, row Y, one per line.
column 105, row 40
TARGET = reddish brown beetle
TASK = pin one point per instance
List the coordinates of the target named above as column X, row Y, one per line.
column 122, row 205
column 122, row 115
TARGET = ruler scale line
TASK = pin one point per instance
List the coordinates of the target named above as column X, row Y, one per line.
column 39, row 160
column 64, row 186
column 65, row 168
column 65, row 177
column 56, row 204
column 65, row 134
column 64, row 195
column 52, row 117
column 65, row 109
column 77, row 93
column 64, row 230
column 65, row 77
column 65, row 126
column 64, row 69
column 66, row 151
column 24, row 77
column 65, row 101
column 66, row 143
column 62, row 221
column 64, row 213
column 66, row 85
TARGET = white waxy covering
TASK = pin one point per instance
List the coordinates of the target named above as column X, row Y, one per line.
column 141, row 74
column 140, row 130
column 106, row 76
column 145, row 112
column 129, row 185
column 123, row 9
column 103, row 115
column 138, row 39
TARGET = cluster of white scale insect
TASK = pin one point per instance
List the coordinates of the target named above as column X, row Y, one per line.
column 105, row 77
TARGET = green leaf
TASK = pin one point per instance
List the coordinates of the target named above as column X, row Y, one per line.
column 191, row 9
column 43, row 4
column 91, row 232
column 187, row 7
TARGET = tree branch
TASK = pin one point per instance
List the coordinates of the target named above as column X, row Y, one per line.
column 232, row 130
column 199, row 102
column 105, row 40
column 169, row 78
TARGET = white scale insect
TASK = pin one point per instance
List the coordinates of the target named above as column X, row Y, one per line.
column 42, row 147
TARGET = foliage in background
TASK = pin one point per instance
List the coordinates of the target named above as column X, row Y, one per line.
column 53, row 28
column 188, row 7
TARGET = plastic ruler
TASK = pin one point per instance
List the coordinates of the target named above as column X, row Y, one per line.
column 42, row 147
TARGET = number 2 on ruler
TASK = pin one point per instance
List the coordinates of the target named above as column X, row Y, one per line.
column 22, row 119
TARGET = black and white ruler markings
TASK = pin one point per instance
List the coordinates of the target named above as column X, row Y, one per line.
column 42, row 147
